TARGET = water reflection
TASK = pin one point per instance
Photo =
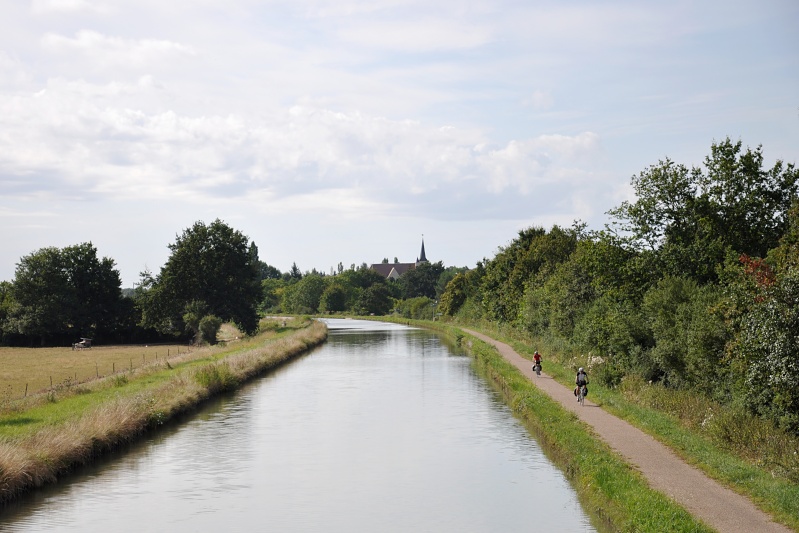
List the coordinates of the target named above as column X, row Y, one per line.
column 381, row 429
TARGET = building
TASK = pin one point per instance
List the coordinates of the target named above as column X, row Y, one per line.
column 396, row 270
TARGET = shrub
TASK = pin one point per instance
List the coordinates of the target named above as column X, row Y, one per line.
column 216, row 377
column 209, row 327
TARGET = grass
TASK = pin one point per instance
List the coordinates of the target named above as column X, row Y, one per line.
column 37, row 369
column 608, row 487
column 44, row 435
column 742, row 452
column 612, row 491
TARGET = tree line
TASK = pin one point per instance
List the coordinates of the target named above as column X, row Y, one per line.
column 694, row 284
column 213, row 275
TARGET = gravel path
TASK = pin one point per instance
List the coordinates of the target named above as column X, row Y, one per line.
column 706, row 499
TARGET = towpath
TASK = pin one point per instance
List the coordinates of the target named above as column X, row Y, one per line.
column 706, row 499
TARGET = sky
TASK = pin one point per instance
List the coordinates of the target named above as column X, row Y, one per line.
column 345, row 131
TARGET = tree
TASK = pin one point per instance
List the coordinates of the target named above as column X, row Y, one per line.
column 272, row 294
column 422, row 280
column 209, row 328
column 211, row 266
column 60, row 294
column 534, row 253
column 768, row 348
column 304, row 296
column 455, row 294
column 376, row 300
column 294, row 274
column 694, row 219
column 333, row 299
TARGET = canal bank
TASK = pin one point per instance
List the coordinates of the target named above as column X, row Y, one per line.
column 703, row 497
column 708, row 500
column 382, row 428
column 103, row 415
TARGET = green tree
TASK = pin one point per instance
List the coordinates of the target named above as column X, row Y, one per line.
column 454, row 295
column 375, row 300
column 534, row 254
column 693, row 219
column 422, row 280
column 419, row 308
column 768, row 352
column 209, row 328
column 305, row 295
column 689, row 337
column 60, row 294
column 272, row 294
column 211, row 264
column 334, row 298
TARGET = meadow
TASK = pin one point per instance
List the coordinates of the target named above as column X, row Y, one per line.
column 31, row 371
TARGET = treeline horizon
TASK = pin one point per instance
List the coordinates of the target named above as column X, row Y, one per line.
column 694, row 285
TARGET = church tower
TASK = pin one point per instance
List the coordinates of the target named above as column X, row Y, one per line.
column 422, row 257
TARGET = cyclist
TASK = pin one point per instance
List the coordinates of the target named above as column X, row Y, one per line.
column 581, row 380
column 536, row 358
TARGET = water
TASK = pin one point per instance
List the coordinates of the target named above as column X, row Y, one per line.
column 383, row 428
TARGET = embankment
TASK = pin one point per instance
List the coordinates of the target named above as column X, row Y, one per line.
column 609, row 488
column 105, row 415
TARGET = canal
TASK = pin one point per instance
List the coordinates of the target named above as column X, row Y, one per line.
column 383, row 428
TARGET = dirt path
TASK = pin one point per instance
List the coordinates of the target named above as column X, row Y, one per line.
column 716, row 505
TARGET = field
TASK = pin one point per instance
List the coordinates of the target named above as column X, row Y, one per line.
column 31, row 370
column 27, row 371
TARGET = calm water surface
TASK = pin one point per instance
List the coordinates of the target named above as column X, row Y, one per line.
column 383, row 428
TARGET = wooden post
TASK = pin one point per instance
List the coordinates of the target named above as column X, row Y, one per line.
column 113, row 367
column 51, row 381
column 96, row 369
column 26, row 390
column 131, row 364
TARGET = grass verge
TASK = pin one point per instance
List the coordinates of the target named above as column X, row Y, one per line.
column 608, row 487
column 694, row 437
column 52, row 435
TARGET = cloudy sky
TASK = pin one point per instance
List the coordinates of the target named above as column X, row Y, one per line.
column 335, row 131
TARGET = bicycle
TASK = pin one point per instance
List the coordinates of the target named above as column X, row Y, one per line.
column 582, row 390
column 537, row 369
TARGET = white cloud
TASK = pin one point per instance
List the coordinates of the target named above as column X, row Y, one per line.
column 109, row 50
column 418, row 35
column 64, row 140
column 40, row 7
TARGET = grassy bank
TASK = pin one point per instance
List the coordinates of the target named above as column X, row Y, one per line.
column 742, row 452
column 609, row 488
column 44, row 436
column 704, row 434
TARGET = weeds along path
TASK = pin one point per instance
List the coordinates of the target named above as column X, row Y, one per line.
column 716, row 505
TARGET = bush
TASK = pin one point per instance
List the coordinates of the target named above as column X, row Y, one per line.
column 216, row 377
column 209, row 328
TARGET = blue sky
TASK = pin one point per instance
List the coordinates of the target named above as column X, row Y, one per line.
column 341, row 131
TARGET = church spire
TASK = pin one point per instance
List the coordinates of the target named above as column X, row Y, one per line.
column 422, row 257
